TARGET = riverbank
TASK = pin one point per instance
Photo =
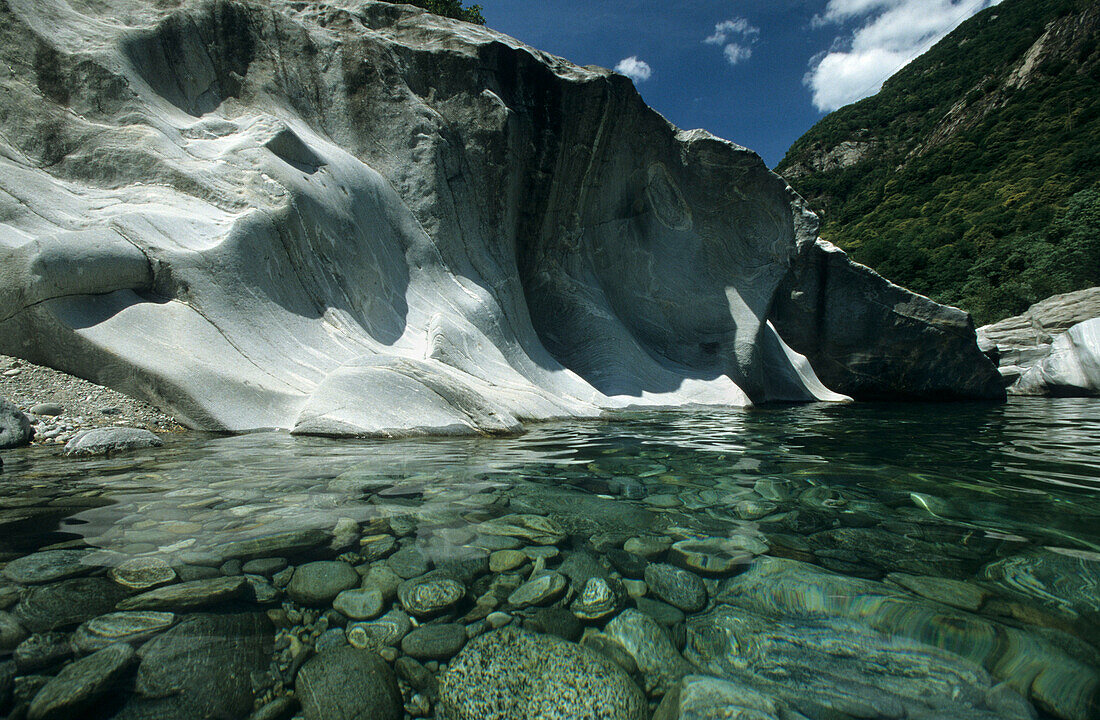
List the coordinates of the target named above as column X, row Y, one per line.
column 61, row 405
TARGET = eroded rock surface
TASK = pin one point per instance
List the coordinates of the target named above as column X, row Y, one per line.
column 360, row 218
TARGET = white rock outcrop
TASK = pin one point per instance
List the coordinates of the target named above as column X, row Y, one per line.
column 353, row 217
column 1072, row 369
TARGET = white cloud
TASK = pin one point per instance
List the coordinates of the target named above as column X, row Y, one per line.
column 736, row 53
column 889, row 35
column 635, row 69
column 736, row 35
column 734, row 26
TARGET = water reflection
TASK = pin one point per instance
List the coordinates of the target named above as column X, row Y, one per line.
column 949, row 541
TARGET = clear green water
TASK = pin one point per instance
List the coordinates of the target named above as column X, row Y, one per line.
column 933, row 561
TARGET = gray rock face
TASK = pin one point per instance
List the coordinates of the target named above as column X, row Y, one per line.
column 512, row 674
column 1023, row 341
column 871, row 339
column 417, row 226
column 104, row 441
column 1072, row 369
column 15, row 427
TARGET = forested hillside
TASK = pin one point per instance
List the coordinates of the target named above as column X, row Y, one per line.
column 974, row 175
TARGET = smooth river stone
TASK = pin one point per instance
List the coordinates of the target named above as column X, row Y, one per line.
column 542, row 588
column 348, row 683
column 506, row 560
column 49, row 566
column 283, row 544
column 318, row 583
column 647, row 546
column 535, row 529
column 81, row 683
column 67, row 603
column 676, row 587
column 598, row 599
column 127, row 627
column 435, row 641
column 11, row 632
column 105, row 441
column 711, row 556
column 386, row 630
column 649, row 645
column 430, row 594
column 364, row 603
column 142, row 573
column 189, row 595
column 511, row 674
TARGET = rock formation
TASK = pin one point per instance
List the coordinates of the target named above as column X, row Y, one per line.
column 1022, row 342
column 353, row 217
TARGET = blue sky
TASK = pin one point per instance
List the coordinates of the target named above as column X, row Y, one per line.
column 758, row 72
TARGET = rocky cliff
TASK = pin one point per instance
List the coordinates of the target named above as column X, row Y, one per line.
column 360, row 218
column 973, row 176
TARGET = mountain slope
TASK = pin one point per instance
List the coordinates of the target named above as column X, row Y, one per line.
column 974, row 175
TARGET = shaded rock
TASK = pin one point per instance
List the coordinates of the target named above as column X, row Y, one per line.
column 627, row 563
column 460, row 562
column 49, row 565
column 42, row 651
column 318, row 583
column 81, row 683
column 142, row 573
column 47, row 409
column 350, row 684
column 849, row 323
column 663, row 613
column 201, row 668
column 15, row 427
column 511, row 674
column 67, row 603
column 126, row 627
column 435, row 641
column 700, row 696
column 264, row 566
column 11, row 632
column 105, row 441
column 189, row 596
column 676, row 587
column 557, row 621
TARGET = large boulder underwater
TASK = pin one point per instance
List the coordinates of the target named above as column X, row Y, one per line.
column 354, row 217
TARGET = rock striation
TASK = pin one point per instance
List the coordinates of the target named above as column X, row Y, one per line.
column 355, row 217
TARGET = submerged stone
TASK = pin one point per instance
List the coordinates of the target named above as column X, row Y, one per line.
column 127, row 627
column 67, row 603
column 81, row 683
column 49, row 566
column 348, row 683
column 142, row 573
column 430, row 594
column 534, row 529
column 676, row 587
column 511, row 674
column 318, row 583
column 189, row 595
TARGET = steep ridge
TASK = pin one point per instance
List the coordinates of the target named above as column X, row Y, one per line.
column 362, row 218
column 973, row 176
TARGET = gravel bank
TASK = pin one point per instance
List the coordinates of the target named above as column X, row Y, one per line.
column 83, row 404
